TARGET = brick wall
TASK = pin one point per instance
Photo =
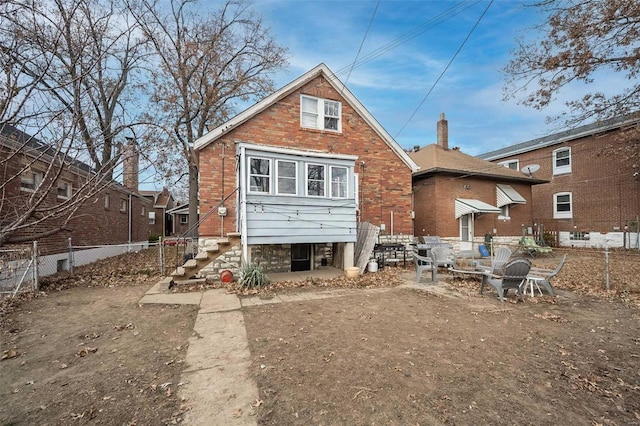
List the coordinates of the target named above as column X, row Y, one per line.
column 384, row 180
column 92, row 224
column 605, row 192
column 434, row 199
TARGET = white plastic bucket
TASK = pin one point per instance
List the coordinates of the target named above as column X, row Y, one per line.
column 372, row 266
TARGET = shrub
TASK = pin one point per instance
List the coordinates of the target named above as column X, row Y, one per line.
column 252, row 276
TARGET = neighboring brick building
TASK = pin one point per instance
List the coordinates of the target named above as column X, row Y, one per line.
column 160, row 221
column 111, row 215
column 463, row 198
column 179, row 219
column 593, row 184
column 309, row 162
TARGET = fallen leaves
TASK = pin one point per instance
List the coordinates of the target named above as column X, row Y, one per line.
column 9, row 353
column 86, row 351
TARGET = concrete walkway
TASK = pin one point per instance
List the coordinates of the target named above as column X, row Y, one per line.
column 217, row 383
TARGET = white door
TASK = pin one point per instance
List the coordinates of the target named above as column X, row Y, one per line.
column 466, row 232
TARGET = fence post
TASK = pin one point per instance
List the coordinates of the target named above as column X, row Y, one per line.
column 606, row 264
column 161, row 256
column 34, row 257
column 70, row 261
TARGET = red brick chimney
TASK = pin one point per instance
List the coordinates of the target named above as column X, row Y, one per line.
column 443, row 132
column 130, row 165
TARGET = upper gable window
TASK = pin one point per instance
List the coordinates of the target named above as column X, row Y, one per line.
column 511, row 164
column 562, row 161
column 259, row 175
column 322, row 114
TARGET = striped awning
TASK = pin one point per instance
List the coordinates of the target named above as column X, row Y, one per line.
column 465, row 206
column 507, row 195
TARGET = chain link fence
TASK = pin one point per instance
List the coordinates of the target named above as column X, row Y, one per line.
column 21, row 269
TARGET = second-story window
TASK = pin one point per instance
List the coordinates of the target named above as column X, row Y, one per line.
column 511, row 164
column 30, row 180
column 562, row 161
column 322, row 114
column 64, row 190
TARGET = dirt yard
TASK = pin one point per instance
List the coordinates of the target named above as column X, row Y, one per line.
column 85, row 352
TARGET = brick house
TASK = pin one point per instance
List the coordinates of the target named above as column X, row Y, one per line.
column 160, row 221
column 111, row 215
column 179, row 219
column 308, row 162
column 462, row 198
column 593, row 188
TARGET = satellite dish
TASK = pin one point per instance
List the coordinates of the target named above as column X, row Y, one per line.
column 530, row 169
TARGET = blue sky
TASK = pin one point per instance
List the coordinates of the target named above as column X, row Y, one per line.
column 393, row 84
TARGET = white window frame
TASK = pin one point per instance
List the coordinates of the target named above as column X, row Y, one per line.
column 143, row 211
column 268, row 176
column 319, row 114
column 184, row 219
column 152, row 218
column 30, row 178
column 324, row 180
column 67, row 187
column 508, row 164
column 123, row 205
column 294, row 178
column 107, row 201
column 356, row 190
column 345, row 182
column 566, row 168
column 562, row 214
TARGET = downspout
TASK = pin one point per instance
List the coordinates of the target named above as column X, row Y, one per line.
column 243, row 206
column 222, row 195
column 130, row 218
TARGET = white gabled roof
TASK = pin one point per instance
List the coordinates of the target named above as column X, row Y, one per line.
column 321, row 69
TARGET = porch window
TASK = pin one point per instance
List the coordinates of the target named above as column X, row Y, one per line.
column 184, row 219
column 152, row 218
column 259, row 175
column 315, row 180
column 287, row 175
column 339, row 182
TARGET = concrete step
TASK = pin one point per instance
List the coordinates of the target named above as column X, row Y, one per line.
column 223, row 240
column 212, row 248
column 178, row 272
column 202, row 255
column 190, row 264
column 234, row 234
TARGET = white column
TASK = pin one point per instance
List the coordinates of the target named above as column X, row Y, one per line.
column 348, row 257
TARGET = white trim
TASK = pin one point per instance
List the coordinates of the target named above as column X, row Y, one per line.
column 296, row 152
column 562, row 215
column 558, row 170
column 321, row 69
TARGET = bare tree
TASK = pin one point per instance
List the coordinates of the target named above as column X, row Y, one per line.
column 584, row 41
column 68, row 78
column 202, row 67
